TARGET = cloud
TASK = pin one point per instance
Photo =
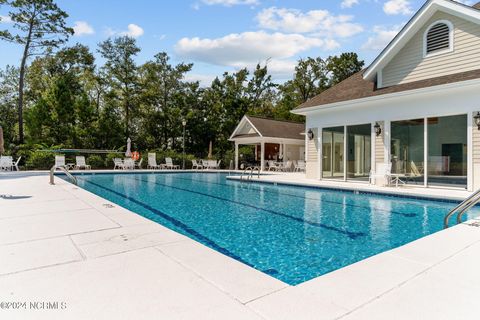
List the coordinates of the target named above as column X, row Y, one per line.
column 321, row 22
column 134, row 31
column 5, row 19
column 394, row 7
column 348, row 3
column 204, row 79
column 82, row 28
column 249, row 47
column 382, row 37
column 230, row 3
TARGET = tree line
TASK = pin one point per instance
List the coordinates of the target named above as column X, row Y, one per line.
column 59, row 96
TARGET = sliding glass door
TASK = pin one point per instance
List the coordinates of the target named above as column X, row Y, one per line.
column 407, row 150
column 359, row 152
column 447, row 151
column 333, row 153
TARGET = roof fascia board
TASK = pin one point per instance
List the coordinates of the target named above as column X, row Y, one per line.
column 448, row 86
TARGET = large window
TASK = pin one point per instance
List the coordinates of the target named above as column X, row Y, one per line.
column 407, row 150
column 359, row 152
column 447, row 151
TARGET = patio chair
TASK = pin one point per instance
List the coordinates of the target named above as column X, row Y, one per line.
column 414, row 172
column 169, row 164
column 299, row 166
column 6, row 163
column 118, row 163
column 383, row 171
column 60, row 161
column 288, row 166
column 152, row 161
column 128, row 164
column 80, row 163
column 271, row 165
column 196, row 165
column 216, row 164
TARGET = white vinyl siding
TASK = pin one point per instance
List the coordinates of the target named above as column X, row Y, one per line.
column 409, row 64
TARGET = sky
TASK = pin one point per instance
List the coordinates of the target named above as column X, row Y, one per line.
column 227, row 35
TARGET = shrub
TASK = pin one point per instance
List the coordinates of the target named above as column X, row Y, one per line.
column 96, row 161
column 40, row 160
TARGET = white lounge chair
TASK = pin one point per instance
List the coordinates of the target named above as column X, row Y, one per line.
column 196, row 165
column 152, row 161
column 299, row 166
column 383, row 171
column 128, row 164
column 15, row 164
column 81, row 164
column 60, row 161
column 169, row 164
column 139, row 164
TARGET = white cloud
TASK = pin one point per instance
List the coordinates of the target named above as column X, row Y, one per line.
column 394, row 7
column 382, row 38
column 134, row 31
column 204, row 79
column 243, row 49
column 348, row 3
column 230, row 3
column 5, row 19
column 321, row 22
column 82, row 28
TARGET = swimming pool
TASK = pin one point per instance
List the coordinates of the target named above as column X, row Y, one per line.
column 291, row 233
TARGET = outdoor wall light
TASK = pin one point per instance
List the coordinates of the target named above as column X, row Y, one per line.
column 476, row 118
column 378, row 129
column 310, row 134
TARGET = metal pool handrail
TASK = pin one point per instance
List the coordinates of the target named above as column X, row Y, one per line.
column 463, row 206
column 252, row 169
column 65, row 170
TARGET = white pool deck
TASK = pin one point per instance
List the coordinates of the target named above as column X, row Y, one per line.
column 60, row 243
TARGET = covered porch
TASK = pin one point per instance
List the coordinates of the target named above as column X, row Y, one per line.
column 274, row 143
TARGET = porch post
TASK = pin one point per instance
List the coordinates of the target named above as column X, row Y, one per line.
column 236, row 155
column 262, row 156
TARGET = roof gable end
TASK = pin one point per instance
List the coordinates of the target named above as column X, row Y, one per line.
column 414, row 25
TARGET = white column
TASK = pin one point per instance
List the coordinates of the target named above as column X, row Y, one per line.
column 284, row 152
column 320, row 153
column 345, row 150
column 470, row 169
column 262, row 156
column 236, row 155
column 387, row 141
column 425, row 152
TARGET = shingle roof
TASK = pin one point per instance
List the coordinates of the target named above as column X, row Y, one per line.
column 476, row 6
column 276, row 128
column 355, row 87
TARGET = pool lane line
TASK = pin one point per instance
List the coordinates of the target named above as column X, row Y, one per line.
column 350, row 234
column 407, row 215
column 178, row 224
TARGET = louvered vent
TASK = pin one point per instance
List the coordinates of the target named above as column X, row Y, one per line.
column 438, row 38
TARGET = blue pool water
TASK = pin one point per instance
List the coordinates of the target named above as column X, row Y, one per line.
column 291, row 233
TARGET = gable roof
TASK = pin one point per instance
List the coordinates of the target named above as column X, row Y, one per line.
column 356, row 87
column 414, row 25
column 270, row 128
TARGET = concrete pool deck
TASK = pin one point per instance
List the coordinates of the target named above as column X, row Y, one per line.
column 97, row 260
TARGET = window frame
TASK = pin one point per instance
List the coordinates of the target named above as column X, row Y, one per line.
column 450, row 40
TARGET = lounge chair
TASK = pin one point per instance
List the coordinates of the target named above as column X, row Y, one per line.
column 383, row 171
column 15, row 164
column 152, row 162
column 169, row 164
column 139, row 164
column 414, row 172
column 299, row 166
column 80, row 163
column 287, row 166
column 60, row 161
column 118, row 163
column 196, row 165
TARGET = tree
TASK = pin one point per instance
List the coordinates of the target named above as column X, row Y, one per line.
column 40, row 25
column 343, row 66
column 122, row 73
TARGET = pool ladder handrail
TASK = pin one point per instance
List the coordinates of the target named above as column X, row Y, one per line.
column 462, row 207
column 252, row 169
column 65, row 170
